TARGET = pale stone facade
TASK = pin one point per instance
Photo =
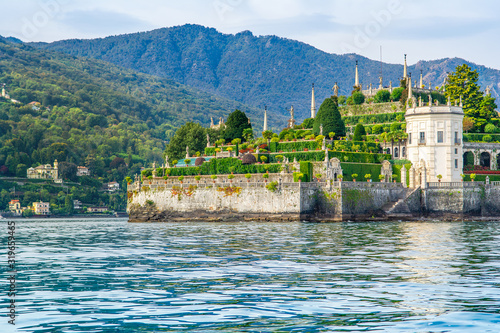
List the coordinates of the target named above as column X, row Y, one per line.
column 45, row 171
column 41, row 208
column 434, row 144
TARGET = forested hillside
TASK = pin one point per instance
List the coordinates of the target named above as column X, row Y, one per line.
column 253, row 70
column 90, row 109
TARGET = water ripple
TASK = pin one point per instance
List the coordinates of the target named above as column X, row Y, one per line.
column 111, row 276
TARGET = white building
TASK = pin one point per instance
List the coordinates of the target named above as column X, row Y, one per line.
column 434, row 144
column 41, row 208
column 82, row 171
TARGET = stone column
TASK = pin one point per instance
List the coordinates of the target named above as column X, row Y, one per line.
column 403, row 176
column 493, row 161
column 423, row 178
column 476, row 157
column 412, row 177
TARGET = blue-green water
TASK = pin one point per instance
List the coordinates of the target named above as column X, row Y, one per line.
column 112, row 276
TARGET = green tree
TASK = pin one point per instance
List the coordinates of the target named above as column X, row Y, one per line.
column 308, row 123
column 329, row 117
column 358, row 97
column 267, row 135
column 236, row 123
column 67, row 171
column 359, row 132
column 248, row 134
column 396, row 94
column 190, row 135
column 462, row 83
column 382, row 96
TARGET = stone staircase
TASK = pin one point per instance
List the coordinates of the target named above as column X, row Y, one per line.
column 400, row 207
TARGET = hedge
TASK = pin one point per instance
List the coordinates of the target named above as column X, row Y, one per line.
column 307, row 169
column 478, row 137
column 295, row 145
column 361, row 169
column 373, row 118
column 482, row 178
column 396, row 169
column 219, row 166
column 318, row 156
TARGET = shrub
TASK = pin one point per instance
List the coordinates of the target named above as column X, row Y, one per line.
column 490, row 128
column 272, row 186
column 396, row 94
column 180, row 178
column 487, row 138
column 359, row 132
column 382, row 96
column 263, row 159
column 358, row 98
column 197, row 178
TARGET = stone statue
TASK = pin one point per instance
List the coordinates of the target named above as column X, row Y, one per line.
column 380, row 84
column 430, row 100
column 208, row 140
column 487, row 91
column 212, row 122
column 335, row 90
column 187, row 152
column 292, row 113
column 320, row 129
column 154, row 169
column 323, row 146
column 167, row 165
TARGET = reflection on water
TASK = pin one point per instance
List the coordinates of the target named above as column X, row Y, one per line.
column 108, row 275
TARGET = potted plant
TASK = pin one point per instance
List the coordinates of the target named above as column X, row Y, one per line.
column 248, row 176
column 472, row 177
column 174, row 163
column 340, row 177
column 214, row 177
column 354, row 176
column 300, row 176
column 187, row 161
column 265, row 176
column 197, row 178
column 394, row 178
column 439, row 177
column 263, row 159
column 180, row 178
column 128, row 180
column 368, row 177
column 318, row 176
column 381, row 178
column 230, row 177
column 166, row 178
column 463, row 176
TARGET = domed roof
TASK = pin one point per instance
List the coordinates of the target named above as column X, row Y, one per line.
column 248, row 159
column 199, row 161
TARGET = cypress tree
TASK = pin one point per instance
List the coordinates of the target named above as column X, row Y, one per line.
column 359, row 132
column 329, row 117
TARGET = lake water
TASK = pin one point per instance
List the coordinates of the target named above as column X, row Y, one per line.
column 114, row 276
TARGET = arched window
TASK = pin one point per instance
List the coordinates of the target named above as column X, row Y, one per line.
column 396, row 152
column 485, row 159
column 403, row 152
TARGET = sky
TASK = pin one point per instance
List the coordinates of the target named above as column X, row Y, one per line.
column 423, row 29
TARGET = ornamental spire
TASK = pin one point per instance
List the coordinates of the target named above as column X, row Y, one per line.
column 405, row 70
column 356, row 78
column 265, row 119
column 313, row 103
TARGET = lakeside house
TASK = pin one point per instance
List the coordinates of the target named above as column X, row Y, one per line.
column 41, row 208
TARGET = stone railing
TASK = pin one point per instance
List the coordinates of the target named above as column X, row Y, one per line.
column 453, row 184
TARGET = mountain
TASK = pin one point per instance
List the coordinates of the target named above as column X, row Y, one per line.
column 258, row 71
column 77, row 109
